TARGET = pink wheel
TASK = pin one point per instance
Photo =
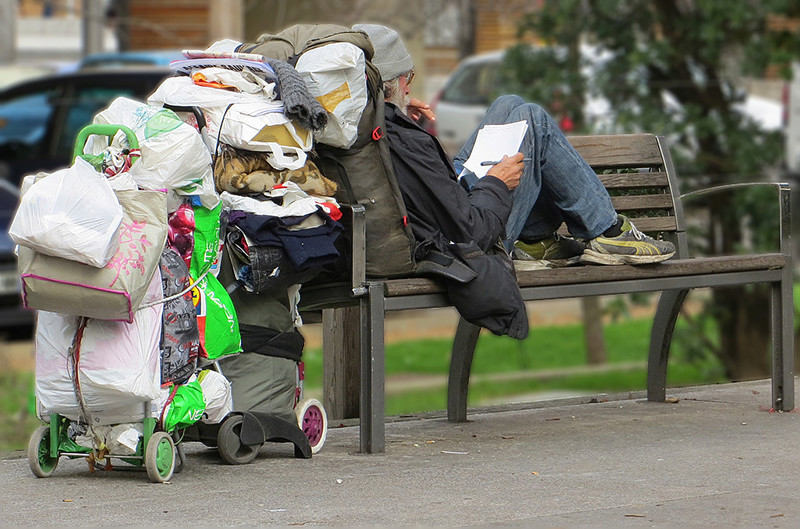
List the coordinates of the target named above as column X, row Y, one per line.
column 311, row 418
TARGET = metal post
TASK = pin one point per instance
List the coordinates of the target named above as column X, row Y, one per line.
column 373, row 407
column 92, row 30
column 226, row 20
column 8, row 31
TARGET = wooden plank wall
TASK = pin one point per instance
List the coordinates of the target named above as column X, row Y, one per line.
column 156, row 24
column 496, row 22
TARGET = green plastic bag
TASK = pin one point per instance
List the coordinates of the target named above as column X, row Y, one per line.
column 207, row 247
column 216, row 315
column 216, row 319
column 186, row 408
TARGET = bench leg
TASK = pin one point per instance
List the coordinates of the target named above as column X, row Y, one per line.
column 460, row 365
column 669, row 306
column 372, row 406
column 783, row 345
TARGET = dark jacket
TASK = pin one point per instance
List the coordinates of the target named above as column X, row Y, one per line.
column 465, row 227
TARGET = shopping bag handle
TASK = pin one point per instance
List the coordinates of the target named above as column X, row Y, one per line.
column 102, row 129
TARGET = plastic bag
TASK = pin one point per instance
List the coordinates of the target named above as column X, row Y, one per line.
column 217, row 395
column 115, row 291
column 174, row 155
column 216, row 315
column 73, row 214
column 185, row 407
column 257, row 127
column 205, row 397
column 118, row 363
column 335, row 76
column 216, row 320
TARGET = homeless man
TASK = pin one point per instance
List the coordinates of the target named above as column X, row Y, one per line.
column 455, row 214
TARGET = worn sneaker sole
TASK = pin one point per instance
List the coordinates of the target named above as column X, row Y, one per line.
column 519, row 254
column 591, row 256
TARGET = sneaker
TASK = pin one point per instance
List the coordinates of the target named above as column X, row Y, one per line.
column 554, row 250
column 629, row 247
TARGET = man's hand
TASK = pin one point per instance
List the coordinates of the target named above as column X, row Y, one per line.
column 509, row 170
column 417, row 109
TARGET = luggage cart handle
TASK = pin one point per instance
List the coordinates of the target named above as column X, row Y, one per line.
column 102, row 129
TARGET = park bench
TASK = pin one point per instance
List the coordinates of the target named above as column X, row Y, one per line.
column 637, row 170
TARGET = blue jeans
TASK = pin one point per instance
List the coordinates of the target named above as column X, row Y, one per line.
column 557, row 185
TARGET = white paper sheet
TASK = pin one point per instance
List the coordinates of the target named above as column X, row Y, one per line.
column 493, row 142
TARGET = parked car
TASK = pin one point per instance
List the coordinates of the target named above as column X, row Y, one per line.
column 129, row 59
column 15, row 321
column 40, row 118
column 476, row 81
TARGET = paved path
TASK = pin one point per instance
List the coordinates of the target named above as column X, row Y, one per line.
column 714, row 458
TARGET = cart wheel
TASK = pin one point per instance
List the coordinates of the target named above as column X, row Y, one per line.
column 159, row 457
column 311, row 418
column 230, row 445
column 39, row 459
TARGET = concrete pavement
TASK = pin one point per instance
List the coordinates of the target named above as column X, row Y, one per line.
column 714, row 458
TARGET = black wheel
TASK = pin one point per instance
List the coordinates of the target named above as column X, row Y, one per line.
column 159, row 457
column 39, row 459
column 230, row 445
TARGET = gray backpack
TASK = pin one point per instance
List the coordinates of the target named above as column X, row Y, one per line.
column 364, row 171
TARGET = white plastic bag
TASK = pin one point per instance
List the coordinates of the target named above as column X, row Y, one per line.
column 217, row 395
column 73, row 214
column 335, row 76
column 261, row 127
column 118, row 363
column 174, row 155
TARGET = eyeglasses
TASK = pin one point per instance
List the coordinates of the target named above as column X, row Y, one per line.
column 409, row 76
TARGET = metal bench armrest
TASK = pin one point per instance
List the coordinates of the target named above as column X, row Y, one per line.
column 784, row 205
column 358, row 272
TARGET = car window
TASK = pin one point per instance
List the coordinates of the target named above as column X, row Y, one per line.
column 23, row 124
column 474, row 84
column 81, row 107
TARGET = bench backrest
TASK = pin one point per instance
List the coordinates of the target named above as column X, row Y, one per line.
column 638, row 172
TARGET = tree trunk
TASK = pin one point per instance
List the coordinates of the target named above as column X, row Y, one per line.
column 744, row 331
column 593, row 327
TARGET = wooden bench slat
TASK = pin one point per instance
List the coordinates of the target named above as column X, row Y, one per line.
column 653, row 179
column 639, row 202
column 667, row 223
column 619, row 150
column 593, row 274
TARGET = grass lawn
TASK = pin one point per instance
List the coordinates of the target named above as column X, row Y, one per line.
column 547, row 348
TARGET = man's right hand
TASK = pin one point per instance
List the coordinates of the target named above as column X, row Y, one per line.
column 509, row 170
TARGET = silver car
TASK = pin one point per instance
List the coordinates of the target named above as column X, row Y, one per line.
column 463, row 100
column 476, row 81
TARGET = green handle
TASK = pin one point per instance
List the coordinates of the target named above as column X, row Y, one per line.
column 99, row 129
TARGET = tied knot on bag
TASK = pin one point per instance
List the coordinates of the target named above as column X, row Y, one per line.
column 298, row 103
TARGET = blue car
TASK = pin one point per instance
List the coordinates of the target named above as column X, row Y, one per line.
column 127, row 59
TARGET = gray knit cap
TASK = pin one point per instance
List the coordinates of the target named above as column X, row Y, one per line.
column 391, row 57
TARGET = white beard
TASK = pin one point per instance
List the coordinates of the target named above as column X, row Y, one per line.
column 401, row 101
